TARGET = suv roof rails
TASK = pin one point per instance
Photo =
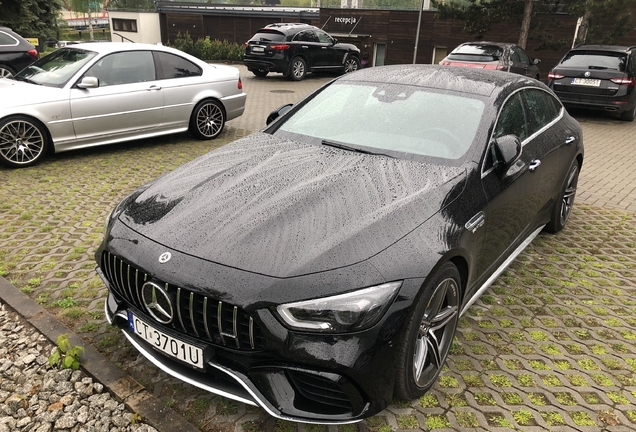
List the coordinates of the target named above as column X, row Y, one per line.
column 286, row 24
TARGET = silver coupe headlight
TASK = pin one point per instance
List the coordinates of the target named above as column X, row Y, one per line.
column 353, row 311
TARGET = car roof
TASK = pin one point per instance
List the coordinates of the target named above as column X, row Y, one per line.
column 614, row 48
column 487, row 83
column 288, row 27
column 480, row 43
column 110, row 47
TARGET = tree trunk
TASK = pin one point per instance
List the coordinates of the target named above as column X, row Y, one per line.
column 525, row 24
column 581, row 34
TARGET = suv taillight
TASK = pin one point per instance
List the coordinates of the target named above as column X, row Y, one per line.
column 629, row 82
column 33, row 53
column 555, row 76
column 281, row 47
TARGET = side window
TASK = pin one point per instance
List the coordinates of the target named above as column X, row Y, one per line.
column 172, row 66
column 6, row 39
column 512, row 119
column 124, row 68
column 514, row 55
column 542, row 108
column 324, row 37
column 306, row 36
column 523, row 57
column 632, row 64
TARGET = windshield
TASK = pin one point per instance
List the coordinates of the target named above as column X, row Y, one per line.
column 392, row 119
column 57, row 68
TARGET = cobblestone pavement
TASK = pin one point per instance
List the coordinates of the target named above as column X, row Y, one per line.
column 551, row 346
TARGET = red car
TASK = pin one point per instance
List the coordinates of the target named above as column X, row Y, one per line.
column 493, row 55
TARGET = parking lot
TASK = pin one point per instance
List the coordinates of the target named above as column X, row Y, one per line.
column 551, row 346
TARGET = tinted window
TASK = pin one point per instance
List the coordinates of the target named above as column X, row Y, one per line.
column 324, row 37
column 512, row 119
column 268, row 36
column 306, row 36
column 595, row 60
column 173, row 66
column 6, row 39
column 542, row 108
column 520, row 55
column 477, row 52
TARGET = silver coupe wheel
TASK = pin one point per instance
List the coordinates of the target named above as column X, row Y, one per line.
column 207, row 120
column 22, row 142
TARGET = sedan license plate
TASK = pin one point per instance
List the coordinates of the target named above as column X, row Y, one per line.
column 586, row 82
column 258, row 49
column 173, row 347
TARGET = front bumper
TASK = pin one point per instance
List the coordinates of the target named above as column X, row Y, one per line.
column 311, row 378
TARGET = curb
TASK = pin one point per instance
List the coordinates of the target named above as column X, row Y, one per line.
column 123, row 387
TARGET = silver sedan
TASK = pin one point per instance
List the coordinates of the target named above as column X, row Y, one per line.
column 101, row 93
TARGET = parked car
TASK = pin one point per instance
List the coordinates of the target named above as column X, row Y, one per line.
column 493, row 55
column 318, row 268
column 15, row 53
column 100, row 93
column 600, row 77
column 294, row 49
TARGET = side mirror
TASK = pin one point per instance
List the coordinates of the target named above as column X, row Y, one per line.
column 88, row 82
column 278, row 112
column 507, row 152
column 536, row 61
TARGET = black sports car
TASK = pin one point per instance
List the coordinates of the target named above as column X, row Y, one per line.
column 318, row 268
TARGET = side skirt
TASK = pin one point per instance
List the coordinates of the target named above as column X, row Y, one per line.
column 501, row 268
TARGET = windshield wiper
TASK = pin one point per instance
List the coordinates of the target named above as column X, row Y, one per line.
column 19, row 78
column 343, row 146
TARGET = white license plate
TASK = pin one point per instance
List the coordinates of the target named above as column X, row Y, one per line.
column 174, row 347
column 258, row 49
column 586, row 82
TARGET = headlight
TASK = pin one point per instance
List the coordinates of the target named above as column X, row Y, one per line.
column 353, row 311
column 107, row 223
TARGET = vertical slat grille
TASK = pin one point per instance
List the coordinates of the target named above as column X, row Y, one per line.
column 196, row 315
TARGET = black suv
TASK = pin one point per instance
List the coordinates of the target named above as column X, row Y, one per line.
column 15, row 53
column 294, row 49
column 597, row 77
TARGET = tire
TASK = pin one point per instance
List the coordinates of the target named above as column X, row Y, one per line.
column 352, row 64
column 629, row 115
column 260, row 72
column 6, row 71
column 563, row 207
column 429, row 334
column 207, row 120
column 297, row 69
column 23, row 141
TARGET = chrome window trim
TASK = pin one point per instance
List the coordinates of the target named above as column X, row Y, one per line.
column 17, row 42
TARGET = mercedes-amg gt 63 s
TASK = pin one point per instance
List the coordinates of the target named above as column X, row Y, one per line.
column 318, row 268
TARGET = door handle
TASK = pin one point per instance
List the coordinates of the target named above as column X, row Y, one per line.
column 304, row 46
column 475, row 222
column 153, row 88
column 534, row 165
column 324, row 48
column 570, row 139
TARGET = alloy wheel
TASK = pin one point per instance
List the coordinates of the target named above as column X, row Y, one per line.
column 209, row 120
column 569, row 194
column 436, row 332
column 21, row 142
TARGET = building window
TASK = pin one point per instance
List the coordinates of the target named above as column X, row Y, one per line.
column 127, row 25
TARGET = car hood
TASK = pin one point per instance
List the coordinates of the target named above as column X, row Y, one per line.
column 282, row 208
column 17, row 93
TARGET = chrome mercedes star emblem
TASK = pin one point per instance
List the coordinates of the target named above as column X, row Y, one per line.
column 157, row 302
column 165, row 257
column 587, row 74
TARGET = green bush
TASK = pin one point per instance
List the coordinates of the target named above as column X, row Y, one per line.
column 208, row 49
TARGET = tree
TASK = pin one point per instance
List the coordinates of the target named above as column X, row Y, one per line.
column 603, row 21
column 31, row 18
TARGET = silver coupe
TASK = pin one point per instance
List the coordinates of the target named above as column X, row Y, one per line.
column 101, row 93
